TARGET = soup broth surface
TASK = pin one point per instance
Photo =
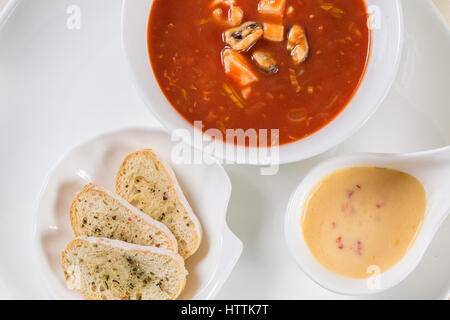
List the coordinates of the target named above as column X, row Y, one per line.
column 186, row 47
column 362, row 220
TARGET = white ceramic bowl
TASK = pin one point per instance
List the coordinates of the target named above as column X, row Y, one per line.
column 431, row 168
column 206, row 186
column 381, row 72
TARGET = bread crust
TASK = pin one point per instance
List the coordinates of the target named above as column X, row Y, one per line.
column 97, row 188
column 117, row 244
column 170, row 174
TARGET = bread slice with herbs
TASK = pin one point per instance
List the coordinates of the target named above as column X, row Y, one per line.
column 97, row 212
column 146, row 182
column 108, row 269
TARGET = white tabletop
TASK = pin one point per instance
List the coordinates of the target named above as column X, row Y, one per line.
column 69, row 86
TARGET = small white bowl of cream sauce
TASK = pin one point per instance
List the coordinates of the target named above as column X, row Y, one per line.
column 360, row 224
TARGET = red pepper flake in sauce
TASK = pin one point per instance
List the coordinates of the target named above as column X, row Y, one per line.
column 350, row 193
column 339, row 242
column 129, row 219
column 333, row 225
column 358, row 248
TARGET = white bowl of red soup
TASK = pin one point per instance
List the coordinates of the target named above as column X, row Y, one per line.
column 314, row 70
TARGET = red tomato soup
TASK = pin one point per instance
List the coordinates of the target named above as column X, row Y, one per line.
column 291, row 65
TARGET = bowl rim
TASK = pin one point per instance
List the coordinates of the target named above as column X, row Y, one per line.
column 298, row 199
column 287, row 153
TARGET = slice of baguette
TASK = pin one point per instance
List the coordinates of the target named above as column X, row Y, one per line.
column 97, row 212
column 149, row 184
column 108, row 269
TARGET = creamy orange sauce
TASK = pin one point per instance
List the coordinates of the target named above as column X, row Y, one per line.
column 362, row 219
